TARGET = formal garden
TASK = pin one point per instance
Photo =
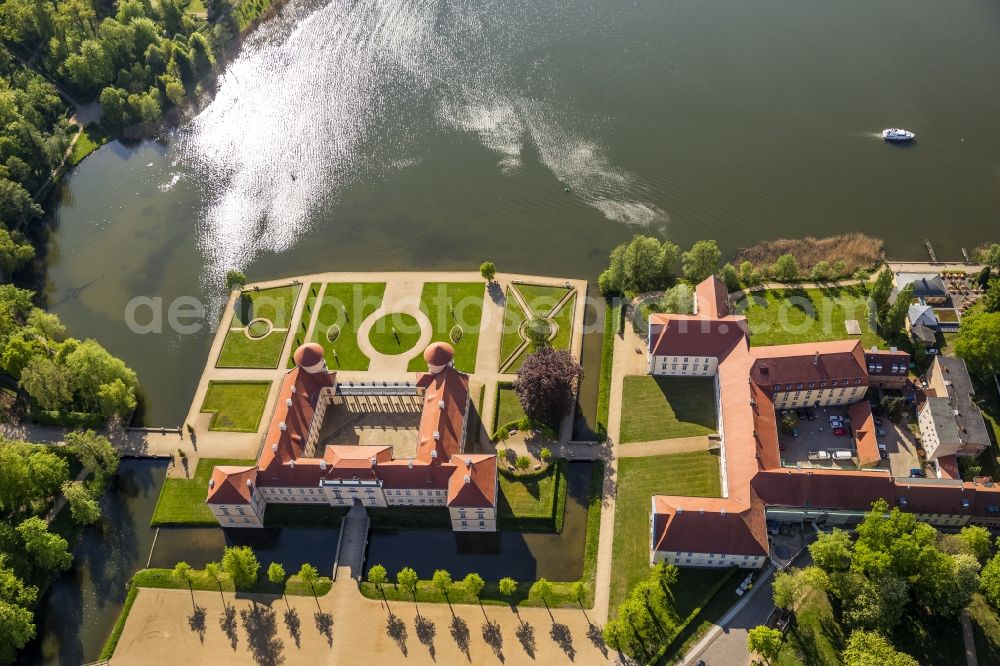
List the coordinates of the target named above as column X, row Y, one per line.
column 395, row 333
column 455, row 311
column 656, row 408
column 259, row 327
column 312, row 294
column 533, row 313
column 236, row 406
column 343, row 306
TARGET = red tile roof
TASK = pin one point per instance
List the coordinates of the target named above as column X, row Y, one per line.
column 692, row 335
column 442, row 426
column 439, row 353
column 229, row 485
column 712, row 298
column 809, row 362
column 308, row 355
column 708, row 525
column 863, row 424
column 474, row 483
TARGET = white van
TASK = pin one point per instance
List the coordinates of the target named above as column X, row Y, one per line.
column 842, row 454
column 819, row 455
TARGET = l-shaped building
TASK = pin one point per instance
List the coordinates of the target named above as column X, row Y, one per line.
column 751, row 383
column 292, row 468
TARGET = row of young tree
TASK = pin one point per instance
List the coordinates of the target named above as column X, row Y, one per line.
column 55, row 371
column 647, row 619
column 31, row 555
column 896, row 565
column 240, row 565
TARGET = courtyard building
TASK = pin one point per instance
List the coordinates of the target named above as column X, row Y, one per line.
column 378, row 444
column 751, row 385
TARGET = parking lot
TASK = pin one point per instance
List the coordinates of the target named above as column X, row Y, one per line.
column 817, row 435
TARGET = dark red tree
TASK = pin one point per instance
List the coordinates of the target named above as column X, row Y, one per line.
column 547, row 384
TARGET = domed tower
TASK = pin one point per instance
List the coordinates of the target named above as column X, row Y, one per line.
column 309, row 357
column 439, row 355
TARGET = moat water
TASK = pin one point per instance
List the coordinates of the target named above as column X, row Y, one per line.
column 390, row 134
column 81, row 608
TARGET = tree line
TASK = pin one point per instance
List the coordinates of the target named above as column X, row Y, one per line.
column 32, row 554
column 895, row 566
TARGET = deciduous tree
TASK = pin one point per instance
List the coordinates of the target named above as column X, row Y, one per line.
column 49, row 552
column 701, row 260
column 487, row 270
column 241, row 564
column 765, row 641
column 870, row 648
column 442, row 581
column 978, row 343
column 406, row 580
column 547, row 385
column 832, row 550
column 786, row 268
column 83, row 507
column 474, row 583
column 377, row 576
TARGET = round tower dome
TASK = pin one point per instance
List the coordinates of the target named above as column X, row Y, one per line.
column 309, row 357
column 438, row 355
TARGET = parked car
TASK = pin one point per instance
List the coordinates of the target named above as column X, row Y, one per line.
column 842, row 454
column 819, row 455
column 836, row 424
column 880, row 432
column 883, row 454
column 881, row 446
column 917, row 473
column 878, row 422
column 839, row 432
column 835, row 417
column 932, row 350
column 795, row 432
column 800, row 413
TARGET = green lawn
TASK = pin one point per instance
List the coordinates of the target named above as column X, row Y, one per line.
column 930, row 639
column 814, row 638
column 611, row 315
column 564, row 320
column 531, row 496
column 164, row 578
column 345, row 306
column 182, row 501
column 513, row 317
column 449, row 305
column 236, row 406
column 985, row 630
column 989, row 404
column 667, row 407
column 541, row 299
column 395, row 333
column 786, row 316
column 509, row 408
column 307, row 315
column 691, row 474
column 91, row 138
column 276, row 305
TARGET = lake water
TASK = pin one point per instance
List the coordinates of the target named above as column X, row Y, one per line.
column 390, row 134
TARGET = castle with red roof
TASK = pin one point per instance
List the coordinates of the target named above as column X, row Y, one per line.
column 751, row 383
column 292, row 468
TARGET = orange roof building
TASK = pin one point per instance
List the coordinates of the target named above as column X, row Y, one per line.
column 751, row 384
column 292, row 468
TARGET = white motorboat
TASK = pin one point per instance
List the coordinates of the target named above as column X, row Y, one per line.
column 898, row 135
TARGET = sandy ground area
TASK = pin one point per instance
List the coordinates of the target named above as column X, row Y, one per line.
column 164, row 628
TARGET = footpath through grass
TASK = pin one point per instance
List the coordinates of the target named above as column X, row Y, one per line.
column 235, row 406
column 787, row 316
column 689, row 474
column 182, row 501
column 343, row 307
column 455, row 310
column 667, row 407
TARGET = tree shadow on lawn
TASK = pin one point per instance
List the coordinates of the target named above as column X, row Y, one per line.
column 691, row 399
column 395, row 628
column 261, row 624
column 460, row 634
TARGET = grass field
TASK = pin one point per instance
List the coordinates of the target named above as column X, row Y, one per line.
column 276, row 305
column 786, row 316
column 164, row 578
column 692, row 474
column 985, row 630
column 307, row 314
column 345, row 305
column 532, row 496
column 541, row 299
column 446, row 305
column 564, row 320
column 509, row 407
column 91, row 138
column 607, row 363
column 182, row 501
column 667, row 407
column 395, row 333
column 814, row 637
column 235, row 406
column 513, row 317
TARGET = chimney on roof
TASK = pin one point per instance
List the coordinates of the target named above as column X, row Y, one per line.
column 274, row 448
column 292, row 463
column 816, row 359
column 322, row 464
column 701, row 510
column 436, row 435
column 440, row 404
column 722, row 512
column 211, row 483
column 293, row 390
column 282, row 427
column 249, row 483
column 434, row 454
column 468, row 479
column 373, row 461
column 468, row 462
column 288, row 402
column 410, row 464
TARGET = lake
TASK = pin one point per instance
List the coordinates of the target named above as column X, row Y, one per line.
column 384, row 134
